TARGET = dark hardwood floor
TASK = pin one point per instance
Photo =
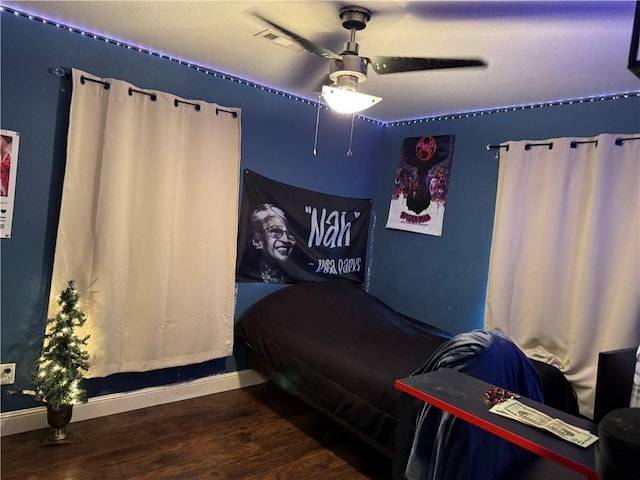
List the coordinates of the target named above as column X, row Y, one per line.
column 254, row 433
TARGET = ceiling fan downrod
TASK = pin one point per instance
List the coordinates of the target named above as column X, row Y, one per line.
column 353, row 19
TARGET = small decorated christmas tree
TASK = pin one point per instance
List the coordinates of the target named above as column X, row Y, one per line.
column 59, row 369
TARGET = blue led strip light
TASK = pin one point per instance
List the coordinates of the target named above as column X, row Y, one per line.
column 242, row 81
column 513, row 109
column 208, row 71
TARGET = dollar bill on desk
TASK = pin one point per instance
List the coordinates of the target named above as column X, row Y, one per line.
column 522, row 413
column 516, row 410
column 570, row 433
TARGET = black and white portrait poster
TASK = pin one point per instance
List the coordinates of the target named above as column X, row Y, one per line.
column 288, row 234
column 421, row 184
column 10, row 142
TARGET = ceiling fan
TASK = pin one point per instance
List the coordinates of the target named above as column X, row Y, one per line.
column 347, row 69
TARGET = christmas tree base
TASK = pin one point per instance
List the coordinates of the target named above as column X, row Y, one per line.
column 58, row 421
column 51, row 440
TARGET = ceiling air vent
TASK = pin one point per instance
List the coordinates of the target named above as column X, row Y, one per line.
column 272, row 36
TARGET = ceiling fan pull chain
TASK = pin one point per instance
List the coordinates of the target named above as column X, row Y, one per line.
column 349, row 152
column 315, row 137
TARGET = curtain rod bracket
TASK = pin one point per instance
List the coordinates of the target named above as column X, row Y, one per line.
column 59, row 71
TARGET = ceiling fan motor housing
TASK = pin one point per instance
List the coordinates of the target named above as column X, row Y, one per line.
column 354, row 17
column 350, row 70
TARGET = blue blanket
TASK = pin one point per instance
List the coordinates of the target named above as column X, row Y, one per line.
column 448, row 448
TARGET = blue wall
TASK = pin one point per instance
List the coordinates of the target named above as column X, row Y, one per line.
column 277, row 141
column 440, row 280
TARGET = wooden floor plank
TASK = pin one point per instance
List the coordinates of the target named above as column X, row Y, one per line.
column 255, row 433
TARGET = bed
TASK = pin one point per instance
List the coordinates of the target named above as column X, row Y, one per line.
column 340, row 350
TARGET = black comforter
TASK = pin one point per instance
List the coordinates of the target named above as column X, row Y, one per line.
column 340, row 349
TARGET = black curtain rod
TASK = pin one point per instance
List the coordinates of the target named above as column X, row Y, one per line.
column 63, row 71
column 574, row 144
column 196, row 106
column 106, row 85
column 620, row 140
column 152, row 96
column 498, row 147
column 234, row 114
column 529, row 146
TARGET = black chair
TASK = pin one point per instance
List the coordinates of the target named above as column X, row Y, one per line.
column 614, row 381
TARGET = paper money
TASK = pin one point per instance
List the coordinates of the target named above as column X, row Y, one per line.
column 570, row 433
column 525, row 414
column 519, row 411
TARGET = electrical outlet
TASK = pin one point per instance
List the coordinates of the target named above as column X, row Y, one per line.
column 7, row 373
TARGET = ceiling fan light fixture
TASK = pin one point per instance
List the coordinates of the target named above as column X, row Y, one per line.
column 347, row 100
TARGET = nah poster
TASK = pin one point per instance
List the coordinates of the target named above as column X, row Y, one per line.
column 287, row 234
column 421, row 184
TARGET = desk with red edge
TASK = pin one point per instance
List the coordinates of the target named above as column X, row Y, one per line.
column 463, row 396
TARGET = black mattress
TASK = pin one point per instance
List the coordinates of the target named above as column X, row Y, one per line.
column 341, row 350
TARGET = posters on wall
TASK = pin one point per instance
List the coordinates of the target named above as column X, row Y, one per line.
column 421, row 184
column 10, row 142
column 288, row 234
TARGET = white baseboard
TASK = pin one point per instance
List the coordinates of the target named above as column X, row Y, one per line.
column 36, row 418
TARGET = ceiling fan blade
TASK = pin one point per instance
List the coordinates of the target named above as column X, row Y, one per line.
column 306, row 44
column 383, row 65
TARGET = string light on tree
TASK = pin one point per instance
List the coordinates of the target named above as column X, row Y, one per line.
column 64, row 358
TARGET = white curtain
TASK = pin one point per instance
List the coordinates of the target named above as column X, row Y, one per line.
column 148, row 225
column 564, row 274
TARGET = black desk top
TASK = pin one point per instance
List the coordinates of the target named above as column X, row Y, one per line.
column 463, row 396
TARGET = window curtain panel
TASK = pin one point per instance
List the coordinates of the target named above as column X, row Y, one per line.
column 148, row 225
column 564, row 273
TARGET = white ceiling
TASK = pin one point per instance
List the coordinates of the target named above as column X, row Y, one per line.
column 537, row 52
